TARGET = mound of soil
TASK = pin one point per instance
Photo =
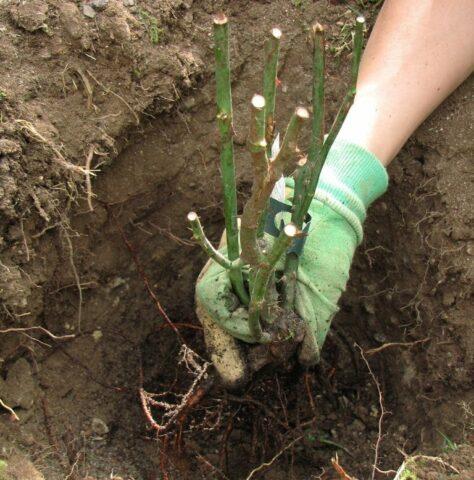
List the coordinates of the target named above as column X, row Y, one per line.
column 124, row 88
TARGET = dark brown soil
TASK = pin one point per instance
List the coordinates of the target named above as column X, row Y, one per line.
column 76, row 85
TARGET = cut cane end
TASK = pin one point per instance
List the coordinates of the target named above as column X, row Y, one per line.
column 302, row 113
column 302, row 161
column 318, row 29
column 276, row 32
column 258, row 101
column 220, row 19
column 360, row 19
column 192, row 216
column 291, row 230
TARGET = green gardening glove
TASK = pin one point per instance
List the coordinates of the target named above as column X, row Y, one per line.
column 352, row 178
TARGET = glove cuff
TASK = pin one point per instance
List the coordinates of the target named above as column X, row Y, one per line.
column 351, row 179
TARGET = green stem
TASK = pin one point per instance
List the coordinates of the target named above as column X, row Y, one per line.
column 262, row 277
column 205, row 244
column 309, row 173
column 287, row 159
column 272, row 50
column 346, row 102
column 252, row 210
column 263, row 183
column 224, row 121
column 357, row 50
column 312, row 168
column 305, row 182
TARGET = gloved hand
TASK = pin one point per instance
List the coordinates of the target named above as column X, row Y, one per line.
column 350, row 181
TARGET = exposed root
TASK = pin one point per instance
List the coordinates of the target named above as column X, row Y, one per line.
column 59, row 157
column 25, row 242
column 175, row 410
column 87, row 86
column 108, row 90
column 211, row 467
column 168, row 233
column 144, row 277
column 275, row 457
column 40, row 329
column 339, row 470
column 39, row 208
column 414, row 458
column 383, row 412
column 89, row 157
column 14, row 416
column 372, row 351
column 76, row 277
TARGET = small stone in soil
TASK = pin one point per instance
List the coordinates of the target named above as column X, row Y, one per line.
column 98, row 4
column 99, row 427
column 129, row 3
column 30, row 16
column 88, row 11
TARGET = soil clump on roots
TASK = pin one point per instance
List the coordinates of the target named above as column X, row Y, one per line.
column 112, row 107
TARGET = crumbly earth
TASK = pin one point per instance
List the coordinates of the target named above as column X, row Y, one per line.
column 129, row 92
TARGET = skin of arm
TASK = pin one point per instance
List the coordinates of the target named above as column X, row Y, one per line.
column 417, row 54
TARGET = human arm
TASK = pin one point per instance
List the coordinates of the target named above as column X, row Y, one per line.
column 417, row 54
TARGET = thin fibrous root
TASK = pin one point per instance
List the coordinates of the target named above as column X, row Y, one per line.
column 59, row 157
column 175, row 411
column 108, row 90
column 9, row 410
column 87, row 172
column 273, row 459
column 39, row 329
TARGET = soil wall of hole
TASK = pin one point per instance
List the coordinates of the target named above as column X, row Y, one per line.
column 83, row 85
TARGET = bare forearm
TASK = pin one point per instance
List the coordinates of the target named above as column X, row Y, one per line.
column 417, row 54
